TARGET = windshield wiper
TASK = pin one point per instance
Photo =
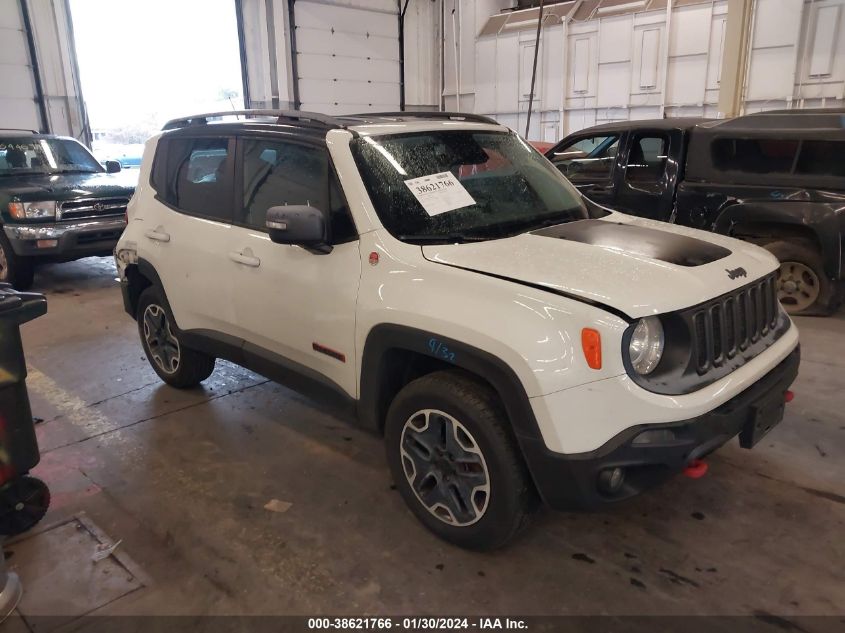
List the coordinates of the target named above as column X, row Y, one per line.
column 74, row 171
column 447, row 238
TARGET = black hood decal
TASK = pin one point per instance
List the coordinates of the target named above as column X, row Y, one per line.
column 638, row 240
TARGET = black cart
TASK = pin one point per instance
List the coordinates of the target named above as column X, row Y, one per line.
column 23, row 499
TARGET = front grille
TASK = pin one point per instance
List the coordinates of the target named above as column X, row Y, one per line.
column 732, row 323
column 92, row 208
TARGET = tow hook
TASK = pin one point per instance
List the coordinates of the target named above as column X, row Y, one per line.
column 789, row 396
column 696, row 469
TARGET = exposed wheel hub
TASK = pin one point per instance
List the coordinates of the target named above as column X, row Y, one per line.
column 445, row 467
column 798, row 286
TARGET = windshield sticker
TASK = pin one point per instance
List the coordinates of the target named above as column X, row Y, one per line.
column 439, row 193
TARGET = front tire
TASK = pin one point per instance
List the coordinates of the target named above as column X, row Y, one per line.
column 175, row 364
column 455, row 461
column 15, row 270
column 803, row 287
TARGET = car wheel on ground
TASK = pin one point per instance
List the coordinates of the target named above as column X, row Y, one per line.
column 15, row 270
column 803, row 287
column 175, row 364
column 455, row 461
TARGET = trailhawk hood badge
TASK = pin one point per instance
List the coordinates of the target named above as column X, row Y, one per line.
column 736, row 272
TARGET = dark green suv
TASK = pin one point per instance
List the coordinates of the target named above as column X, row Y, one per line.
column 57, row 203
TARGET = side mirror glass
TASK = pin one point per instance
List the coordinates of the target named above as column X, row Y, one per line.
column 112, row 166
column 299, row 224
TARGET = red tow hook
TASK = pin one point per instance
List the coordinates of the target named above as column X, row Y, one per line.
column 789, row 396
column 696, row 469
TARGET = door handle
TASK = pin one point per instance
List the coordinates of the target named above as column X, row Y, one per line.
column 246, row 258
column 157, row 234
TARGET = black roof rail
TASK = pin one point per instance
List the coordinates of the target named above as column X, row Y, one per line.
column 454, row 116
column 322, row 120
column 17, row 129
column 281, row 116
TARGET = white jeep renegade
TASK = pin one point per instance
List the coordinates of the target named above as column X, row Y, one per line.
column 442, row 278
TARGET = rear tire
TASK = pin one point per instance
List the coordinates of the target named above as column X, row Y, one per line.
column 14, row 269
column 175, row 364
column 455, row 461
column 803, row 287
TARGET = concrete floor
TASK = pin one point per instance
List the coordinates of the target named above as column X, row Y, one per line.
column 182, row 478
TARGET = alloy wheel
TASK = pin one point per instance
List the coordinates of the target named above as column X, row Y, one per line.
column 445, row 467
column 798, row 286
column 164, row 347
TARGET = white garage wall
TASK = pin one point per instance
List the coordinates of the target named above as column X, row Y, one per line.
column 615, row 65
column 57, row 75
column 618, row 67
column 423, row 39
column 265, row 45
column 18, row 101
column 797, row 55
column 604, row 69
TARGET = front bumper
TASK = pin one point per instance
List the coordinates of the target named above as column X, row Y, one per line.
column 73, row 239
column 570, row 481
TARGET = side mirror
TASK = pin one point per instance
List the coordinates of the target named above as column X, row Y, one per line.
column 299, row 224
column 112, row 166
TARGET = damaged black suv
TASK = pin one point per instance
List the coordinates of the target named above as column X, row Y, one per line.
column 776, row 179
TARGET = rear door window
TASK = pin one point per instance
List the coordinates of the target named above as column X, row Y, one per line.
column 647, row 158
column 587, row 158
column 197, row 176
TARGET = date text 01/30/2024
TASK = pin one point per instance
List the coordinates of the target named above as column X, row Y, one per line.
column 417, row 624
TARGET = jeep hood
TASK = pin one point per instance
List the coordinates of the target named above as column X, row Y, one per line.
column 638, row 267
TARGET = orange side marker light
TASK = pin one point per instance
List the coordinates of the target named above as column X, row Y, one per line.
column 591, row 344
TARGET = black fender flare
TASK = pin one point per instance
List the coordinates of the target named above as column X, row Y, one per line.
column 820, row 219
column 385, row 337
column 147, row 270
column 553, row 478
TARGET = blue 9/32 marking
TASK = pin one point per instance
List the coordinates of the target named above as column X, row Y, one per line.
column 437, row 348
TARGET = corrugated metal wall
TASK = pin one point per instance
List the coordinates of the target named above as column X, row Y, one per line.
column 642, row 64
column 48, row 24
column 18, row 93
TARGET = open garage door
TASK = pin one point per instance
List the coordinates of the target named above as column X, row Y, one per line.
column 347, row 58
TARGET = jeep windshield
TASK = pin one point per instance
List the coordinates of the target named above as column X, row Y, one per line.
column 462, row 185
column 22, row 155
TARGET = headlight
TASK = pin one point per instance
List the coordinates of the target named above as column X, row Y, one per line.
column 33, row 210
column 646, row 347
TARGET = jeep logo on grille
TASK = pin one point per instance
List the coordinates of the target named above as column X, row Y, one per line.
column 99, row 206
column 736, row 272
